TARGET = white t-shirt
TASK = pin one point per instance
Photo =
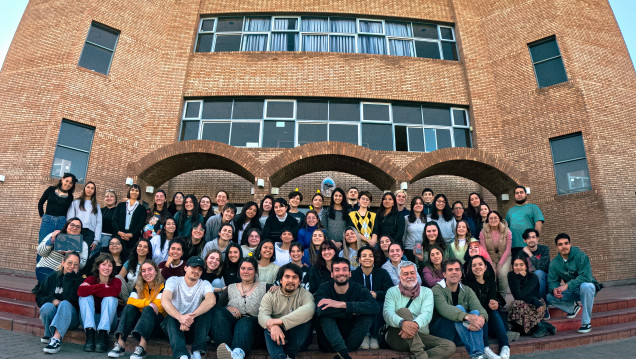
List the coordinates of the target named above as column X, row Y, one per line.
column 187, row 299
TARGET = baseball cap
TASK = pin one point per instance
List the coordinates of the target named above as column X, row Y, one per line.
column 196, row 261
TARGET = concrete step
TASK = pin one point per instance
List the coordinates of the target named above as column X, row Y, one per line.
column 20, row 307
column 599, row 319
column 19, row 294
column 603, row 305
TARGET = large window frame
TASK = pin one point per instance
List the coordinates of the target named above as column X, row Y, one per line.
column 538, row 62
column 85, row 60
column 59, row 160
column 561, row 164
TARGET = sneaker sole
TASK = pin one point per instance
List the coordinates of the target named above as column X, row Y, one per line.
column 51, row 351
column 585, row 331
column 222, row 353
column 116, row 355
column 137, row 356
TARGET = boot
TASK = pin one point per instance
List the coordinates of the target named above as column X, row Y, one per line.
column 102, row 342
column 89, row 346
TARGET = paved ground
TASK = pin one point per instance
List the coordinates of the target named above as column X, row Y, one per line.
column 615, row 349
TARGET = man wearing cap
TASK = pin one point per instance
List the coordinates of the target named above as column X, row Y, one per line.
column 187, row 301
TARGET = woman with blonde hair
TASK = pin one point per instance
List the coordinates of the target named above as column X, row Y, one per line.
column 496, row 238
column 462, row 239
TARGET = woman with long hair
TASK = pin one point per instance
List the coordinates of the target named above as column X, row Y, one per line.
column 443, row 216
column 98, row 303
column 194, row 244
column 176, row 204
column 143, row 312
column 266, row 207
column 414, row 231
column 388, row 221
column 129, row 219
column 159, row 207
column 248, row 218
column 312, row 221
column 250, row 240
column 458, row 248
column 57, row 299
column 383, row 249
column 321, row 272
column 336, row 216
column 312, row 253
column 396, row 256
column 432, row 272
column 351, row 242
column 205, row 208
column 114, row 248
column 87, row 210
column 174, row 265
column 161, row 242
column 58, row 199
column 232, row 263
column 50, row 259
column 213, row 272
column 474, row 206
column 432, row 236
column 265, row 255
column 484, row 209
column 129, row 273
column 188, row 215
column 280, row 220
column 317, row 203
column 225, row 236
column 496, row 238
column 108, row 214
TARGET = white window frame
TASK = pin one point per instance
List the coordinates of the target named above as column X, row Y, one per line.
column 260, row 131
column 279, row 118
column 362, row 103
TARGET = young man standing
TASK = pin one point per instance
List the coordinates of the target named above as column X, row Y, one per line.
column 400, row 198
column 187, row 301
column 539, row 258
column 408, row 309
column 287, row 308
column 521, row 217
column 363, row 219
column 352, row 198
column 428, row 195
column 345, row 311
column 572, row 267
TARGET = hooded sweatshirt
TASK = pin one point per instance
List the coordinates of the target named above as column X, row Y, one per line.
column 574, row 271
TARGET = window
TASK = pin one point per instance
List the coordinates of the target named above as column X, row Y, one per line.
column 73, row 149
column 570, row 164
column 547, row 61
column 99, row 48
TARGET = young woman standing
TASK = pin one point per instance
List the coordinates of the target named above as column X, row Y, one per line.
column 336, row 217
column 388, row 221
column 58, row 199
column 86, row 209
column 129, row 219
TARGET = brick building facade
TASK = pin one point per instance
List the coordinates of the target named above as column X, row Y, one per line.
column 136, row 107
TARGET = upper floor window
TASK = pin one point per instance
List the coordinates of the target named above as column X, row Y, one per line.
column 570, row 164
column 547, row 61
column 99, row 48
column 73, row 149
column 326, row 34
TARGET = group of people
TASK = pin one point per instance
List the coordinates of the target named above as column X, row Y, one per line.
column 421, row 280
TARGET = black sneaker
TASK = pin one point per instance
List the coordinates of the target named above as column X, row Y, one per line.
column 139, row 353
column 45, row 340
column 577, row 309
column 53, row 346
column 585, row 328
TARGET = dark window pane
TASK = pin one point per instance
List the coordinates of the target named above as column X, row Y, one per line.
column 216, row 131
column 567, row 148
column 401, row 142
column 373, row 112
column 229, row 24
column 443, row 139
column 344, row 111
column 207, row 25
column 190, row 130
column 245, row 134
column 78, row 137
column 279, row 134
column 227, row 43
column 426, row 49
column 192, row 109
column 431, row 142
column 450, row 50
column 459, row 118
column 377, row 137
column 550, row 72
column 407, row 113
column 311, row 110
column 343, row 133
column 286, row 41
column 248, row 109
column 462, row 137
column 544, row 50
column 427, row 31
column 447, row 33
column 311, row 132
column 217, row 109
column 204, row 44
column 95, row 58
column 102, row 36
column 67, row 160
column 572, row 176
column 436, row 116
column 416, row 139
column 280, row 109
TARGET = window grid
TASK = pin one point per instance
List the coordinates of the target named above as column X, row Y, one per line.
column 561, row 68
column 565, row 182
column 81, row 175
column 93, row 66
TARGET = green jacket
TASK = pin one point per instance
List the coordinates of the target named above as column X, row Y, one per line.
column 574, row 271
column 444, row 302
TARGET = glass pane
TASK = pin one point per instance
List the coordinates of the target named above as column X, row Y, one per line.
column 311, row 110
column 459, row 118
column 572, row 177
column 316, row 43
column 227, row 43
column 342, row 25
column 550, row 72
column 279, row 134
column 217, row 109
column 255, row 42
column 102, row 36
column 373, row 27
column 447, row 33
column 257, row 24
column 375, row 112
column 450, row 50
column 280, row 109
column 216, row 131
column 436, row 116
column 401, row 29
column 567, row 148
column 245, row 134
column 377, row 137
column 344, row 111
column 192, row 109
column 427, row 49
column 343, row 133
column 315, row 24
column 416, row 139
column 226, row 24
column 371, row 45
column 311, row 132
column 67, row 160
column 75, row 136
column 286, row 24
column 95, row 58
column 544, row 50
column 284, row 41
column 401, row 142
column 190, row 130
column 426, row 31
column 207, row 25
column 431, row 143
column 204, row 43
column 443, row 139
column 404, row 113
column 339, row 43
column 401, row 47
column 462, row 137
column 248, row 109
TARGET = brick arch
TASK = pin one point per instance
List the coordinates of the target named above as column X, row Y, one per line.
column 373, row 166
column 494, row 173
column 167, row 162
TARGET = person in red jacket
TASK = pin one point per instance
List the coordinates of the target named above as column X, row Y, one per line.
column 98, row 302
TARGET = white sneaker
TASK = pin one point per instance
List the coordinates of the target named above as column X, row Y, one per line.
column 196, row 355
column 505, row 352
column 184, row 357
column 365, row 343
column 490, row 354
column 374, row 344
column 223, row 351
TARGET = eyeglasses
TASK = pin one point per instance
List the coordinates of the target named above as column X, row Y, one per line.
column 116, row 244
column 75, row 226
column 198, row 229
column 458, row 208
column 438, row 201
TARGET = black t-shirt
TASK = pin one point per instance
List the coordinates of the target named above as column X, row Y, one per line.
column 455, row 297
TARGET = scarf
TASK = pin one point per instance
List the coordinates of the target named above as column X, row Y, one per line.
column 411, row 293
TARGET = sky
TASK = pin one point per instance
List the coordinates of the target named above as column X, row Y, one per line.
column 11, row 12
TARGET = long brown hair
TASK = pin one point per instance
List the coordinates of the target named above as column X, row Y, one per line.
column 93, row 198
column 156, row 283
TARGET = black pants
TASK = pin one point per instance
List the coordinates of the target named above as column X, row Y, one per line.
column 145, row 323
column 244, row 333
column 338, row 334
column 198, row 334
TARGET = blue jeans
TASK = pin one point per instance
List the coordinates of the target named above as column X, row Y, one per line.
column 451, row 330
column 48, row 225
column 294, row 340
column 63, row 317
column 496, row 326
column 105, row 319
column 585, row 293
column 543, row 286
